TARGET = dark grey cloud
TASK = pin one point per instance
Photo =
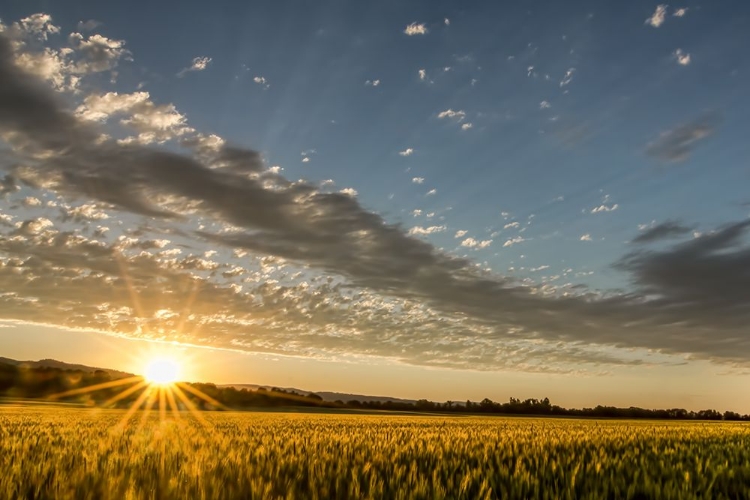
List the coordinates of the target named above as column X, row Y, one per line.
column 667, row 229
column 411, row 301
column 677, row 144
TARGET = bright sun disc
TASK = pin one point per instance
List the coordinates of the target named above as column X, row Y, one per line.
column 162, row 371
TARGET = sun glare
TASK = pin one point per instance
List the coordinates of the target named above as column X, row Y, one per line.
column 162, row 371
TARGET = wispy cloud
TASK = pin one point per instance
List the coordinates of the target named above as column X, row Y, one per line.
column 585, row 237
column 415, row 29
column 667, row 229
column 262, row 81
column 677, row 144
column 372, row 83
column 418, row 180
column 682, row 58
column 657, row 18
column 198, row 64
column 419, row 230
column 449, row 113
column 472, row 243
column 406, row 152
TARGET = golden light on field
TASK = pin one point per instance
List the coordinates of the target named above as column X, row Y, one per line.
column 162, row 371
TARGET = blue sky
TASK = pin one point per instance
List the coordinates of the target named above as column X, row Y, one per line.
column 590, row 159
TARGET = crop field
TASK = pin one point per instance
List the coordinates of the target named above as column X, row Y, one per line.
column 108, row 454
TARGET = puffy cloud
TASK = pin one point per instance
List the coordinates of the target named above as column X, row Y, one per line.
column 98, row 52
column 406, row 152
column 513, row 241
column 585, row 237
column 514, row 225
column 677, row 144
column 544, row 105
column 667, row 229
column 415, row 29
column 422, row 74
column 419, row 230
column 198, row 64
column 467, row 126
column 657, row 18
column 418, row 180
column 472, row 243
column 447, row 21
column 449, row 113
column 261, row 80
column 682, row 58
column 461, row 233
column 37, row 25
column 349, row 192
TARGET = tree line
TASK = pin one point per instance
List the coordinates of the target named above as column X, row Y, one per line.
column 45, row 382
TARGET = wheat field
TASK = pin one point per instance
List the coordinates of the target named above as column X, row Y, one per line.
column 107, row 454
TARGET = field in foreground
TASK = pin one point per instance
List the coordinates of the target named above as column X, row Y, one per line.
column 83, row 453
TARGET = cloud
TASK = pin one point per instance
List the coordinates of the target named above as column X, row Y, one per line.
column 349, row 192
column 419, row 230
column 683, row 58
column 605, row 208
column 511, row 225
column 198, row 64
column 513, row 241
column 680, row 12
column 418, row 180
column 372, row 83
column 667, row 229
column 367, row 286
column 467, row 126
column 422, row 74
column 261, row 80
column 677, row 144
column 431, row 192
column 472, row 243
column 585, row 237
column 98, row 52
column 415, row 29
column 449, row 113
column 461, row 233
column 657, row 18
column 568, row 77
column 544, row 105
column 89, row 25
column 406, row 152
column 38, row 25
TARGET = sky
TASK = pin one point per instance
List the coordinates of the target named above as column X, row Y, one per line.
column 423, row 199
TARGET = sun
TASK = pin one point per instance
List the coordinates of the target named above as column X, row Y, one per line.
column 162, row 371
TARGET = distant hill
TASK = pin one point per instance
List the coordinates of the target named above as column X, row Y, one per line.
column 60, row 365
column 326, row 395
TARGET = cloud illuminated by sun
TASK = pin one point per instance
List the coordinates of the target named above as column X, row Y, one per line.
column 162, row 371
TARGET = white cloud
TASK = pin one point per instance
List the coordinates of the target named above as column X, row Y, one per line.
column 431, row 192
column 419, row 230
column 406, row 152
column 99, row 53
column 605, row 208
column 683, row 58
column 467, row 126
column 585, row 237
column 39, row 25
column 199, row 64
column 568, row 77
column 449, row 113
column 657, row 18
column 422, row 74
column 513, row 241
column 154, row 124
column 349, row 192
column 540, row 268
column 261, row 80
column 327, row 182
column 680, row 12
column 511, row 225
column 460, row 233
column 372, row 83
column 418, row 180
column 305, row 159
column 416, row 212
column 472, row 243
column 415, row 29
column 447, row 21
column 544, row 105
